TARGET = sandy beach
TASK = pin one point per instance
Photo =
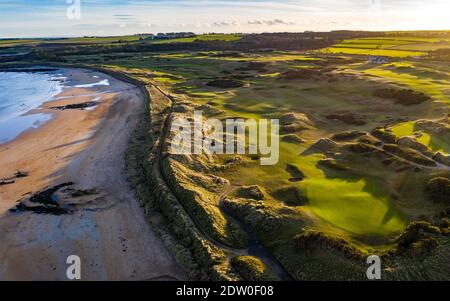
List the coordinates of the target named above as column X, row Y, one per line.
column 104, row 224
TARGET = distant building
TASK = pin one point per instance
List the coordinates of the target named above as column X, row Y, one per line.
column 378, row 60
column 145, row 36
column 174, row 35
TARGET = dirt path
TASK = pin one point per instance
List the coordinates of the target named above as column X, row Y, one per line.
column 106, row 227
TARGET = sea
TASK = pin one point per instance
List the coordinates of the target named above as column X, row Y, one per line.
column 21, row 92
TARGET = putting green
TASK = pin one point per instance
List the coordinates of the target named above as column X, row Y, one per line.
column 348, row 203
column 348, row 206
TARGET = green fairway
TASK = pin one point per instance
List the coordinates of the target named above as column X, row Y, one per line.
column 413, row 78
column 433, row 142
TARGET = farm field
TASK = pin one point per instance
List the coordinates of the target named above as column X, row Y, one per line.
column 75, row 41
column 401, row 47
column 205, row 37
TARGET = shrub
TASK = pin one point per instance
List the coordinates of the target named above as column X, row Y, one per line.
column 300, row 74
column 292, row 138
column 332, row 164
column 348, row 135
column 439, row 190
column 252, row 269
column 402, row 96
column 291, row 196
column 361, row 148
column 416, row 239
column 423, row 247
column 253, row 192
column 313, row 239
column 348, row 118
column 384, row 136
column 225, row 83
column 295, row 172
column 409, row 154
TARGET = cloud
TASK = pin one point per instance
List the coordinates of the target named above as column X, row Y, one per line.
column 270, row 22
column 225, row 23
column 49, row 18
column 235, row 23
column 124, row 17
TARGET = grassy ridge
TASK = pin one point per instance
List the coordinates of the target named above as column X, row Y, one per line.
column 205, row 37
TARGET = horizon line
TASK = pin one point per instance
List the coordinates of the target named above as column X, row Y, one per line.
column 228, row 33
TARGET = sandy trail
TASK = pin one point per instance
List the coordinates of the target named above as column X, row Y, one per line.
column 106, row 228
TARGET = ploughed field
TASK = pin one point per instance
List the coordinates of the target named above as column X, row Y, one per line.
column 364, row 153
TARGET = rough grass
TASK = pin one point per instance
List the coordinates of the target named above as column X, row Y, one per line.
column 252, row 269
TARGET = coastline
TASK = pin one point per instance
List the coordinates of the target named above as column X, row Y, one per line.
column 106, row 227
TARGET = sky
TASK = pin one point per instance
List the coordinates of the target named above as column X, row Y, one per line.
column 67, row 18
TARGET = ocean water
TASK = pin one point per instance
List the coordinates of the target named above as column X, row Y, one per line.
column 12, row 128
column 21, row 92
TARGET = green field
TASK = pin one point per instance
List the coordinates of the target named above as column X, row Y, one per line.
column 205, row 37
column 81, row 40
column 391, row 47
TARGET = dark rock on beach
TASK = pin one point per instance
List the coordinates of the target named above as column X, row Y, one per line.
column 76, row 106
column 43, row 202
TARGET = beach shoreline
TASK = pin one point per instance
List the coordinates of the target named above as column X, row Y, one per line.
column 85, row 146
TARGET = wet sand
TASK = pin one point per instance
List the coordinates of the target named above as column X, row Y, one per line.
column 106, row 228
